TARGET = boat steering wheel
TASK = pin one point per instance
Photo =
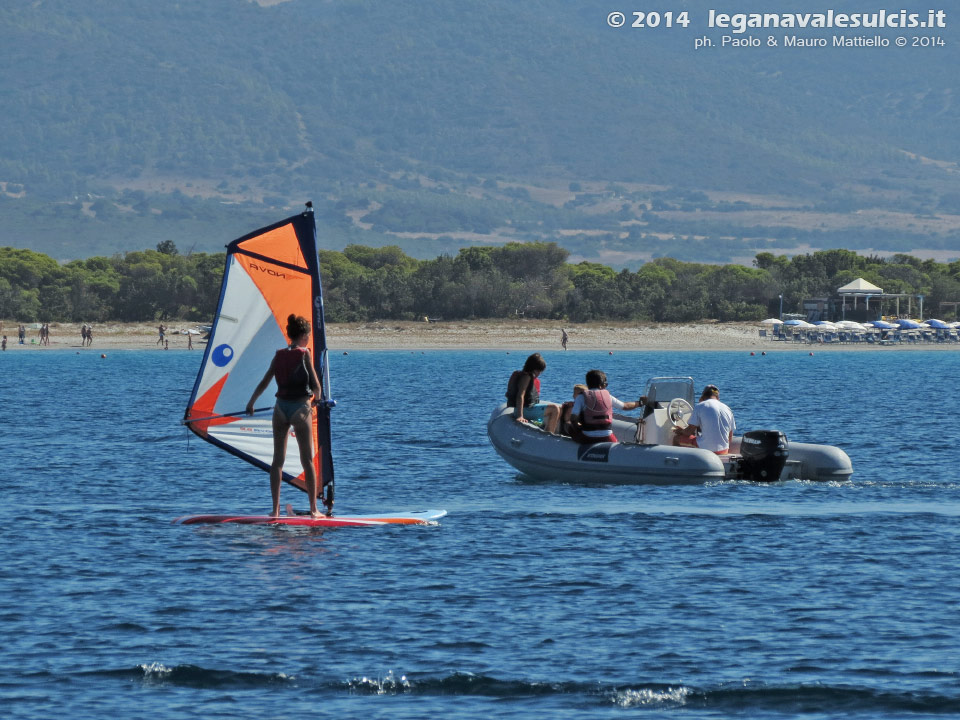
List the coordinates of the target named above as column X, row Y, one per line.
column 679, row 412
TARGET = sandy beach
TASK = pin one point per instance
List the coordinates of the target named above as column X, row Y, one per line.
column 525, row 335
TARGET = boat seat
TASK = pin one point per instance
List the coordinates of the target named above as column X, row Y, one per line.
column 657, row 428
column 626, row 427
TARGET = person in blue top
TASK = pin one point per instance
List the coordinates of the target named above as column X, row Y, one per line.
column 297, row 389
column 523, row 395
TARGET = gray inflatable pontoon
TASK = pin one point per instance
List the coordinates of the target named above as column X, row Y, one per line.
column 644, row 456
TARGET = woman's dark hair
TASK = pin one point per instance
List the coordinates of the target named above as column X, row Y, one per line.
column 596, row 379
column 297, row 325
column 535, row 363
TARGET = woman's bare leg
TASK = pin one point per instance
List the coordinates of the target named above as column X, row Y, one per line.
column 303, row 428
column 551, row 418
column 280, row 430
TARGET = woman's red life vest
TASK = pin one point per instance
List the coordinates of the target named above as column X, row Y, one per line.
column 290, row 371
column 532, row 394
column 597, row 411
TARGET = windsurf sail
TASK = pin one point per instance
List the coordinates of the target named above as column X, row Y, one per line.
column 270, row 273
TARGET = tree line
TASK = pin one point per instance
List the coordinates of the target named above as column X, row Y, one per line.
column 533, row 280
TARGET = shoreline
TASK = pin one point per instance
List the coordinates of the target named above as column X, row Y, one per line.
column 509, row 335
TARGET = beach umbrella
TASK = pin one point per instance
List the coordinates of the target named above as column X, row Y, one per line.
column 825, row 325
column 771, row 321
column 938, row 324
column 850, row 325
column 905, row 324
column 797, row 323
column 882, row 324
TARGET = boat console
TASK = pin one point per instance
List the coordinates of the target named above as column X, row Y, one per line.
column 760, row 455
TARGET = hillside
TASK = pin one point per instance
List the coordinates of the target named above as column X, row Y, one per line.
column 433, row 126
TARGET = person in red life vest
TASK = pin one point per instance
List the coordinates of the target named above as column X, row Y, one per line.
column 297, row 388
column 592, row 412
column 712, row 420
column 523, row 395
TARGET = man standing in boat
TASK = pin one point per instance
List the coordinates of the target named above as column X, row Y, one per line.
column 712, row 420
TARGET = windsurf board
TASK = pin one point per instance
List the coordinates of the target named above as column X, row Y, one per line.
column 412, row 517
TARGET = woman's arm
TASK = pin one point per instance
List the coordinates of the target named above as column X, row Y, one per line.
column 522, row 384
column 260, row 388
column 314, row 380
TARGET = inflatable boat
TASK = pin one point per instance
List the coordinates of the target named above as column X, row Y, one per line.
column 644, row 455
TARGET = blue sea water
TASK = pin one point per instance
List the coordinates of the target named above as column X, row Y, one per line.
column 529, row 600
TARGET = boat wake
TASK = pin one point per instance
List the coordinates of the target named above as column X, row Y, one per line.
column 736, row 697
column 194, row 676
column 732, row 698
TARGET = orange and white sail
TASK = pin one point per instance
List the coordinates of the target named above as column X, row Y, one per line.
column 270, row 273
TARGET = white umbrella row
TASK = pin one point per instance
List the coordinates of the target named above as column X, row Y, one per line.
column 851, row 325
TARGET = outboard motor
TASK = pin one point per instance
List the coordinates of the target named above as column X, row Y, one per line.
column 763, row 453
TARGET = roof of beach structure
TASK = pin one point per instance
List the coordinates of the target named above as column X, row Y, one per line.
column 859, row 286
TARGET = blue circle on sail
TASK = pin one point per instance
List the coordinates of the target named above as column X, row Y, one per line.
column 221, row 355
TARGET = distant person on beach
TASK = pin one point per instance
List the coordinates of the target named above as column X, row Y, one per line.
column 161, row 330
column 83, row 335
column 563, row 338
column 298, row 387
column 523, row 395
column 21, row 334
column 89, row 335
column 189, row 341
column 4, row 343
column 712, row 420
column 592, row 412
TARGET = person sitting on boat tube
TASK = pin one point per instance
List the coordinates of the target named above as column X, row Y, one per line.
column 592, row 412
column 523, row 395
column 712, row 421
column 297, row 388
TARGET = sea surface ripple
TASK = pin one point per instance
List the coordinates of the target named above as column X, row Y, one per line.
column 530, row 599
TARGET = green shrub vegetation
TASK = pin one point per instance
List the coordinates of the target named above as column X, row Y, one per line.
column 533, row 280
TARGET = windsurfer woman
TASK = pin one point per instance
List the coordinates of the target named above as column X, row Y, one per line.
column 298, row 386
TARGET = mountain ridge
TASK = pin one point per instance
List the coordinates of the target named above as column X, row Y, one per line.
column 263, row 106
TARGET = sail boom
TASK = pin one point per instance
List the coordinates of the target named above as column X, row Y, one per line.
column 187, row 421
